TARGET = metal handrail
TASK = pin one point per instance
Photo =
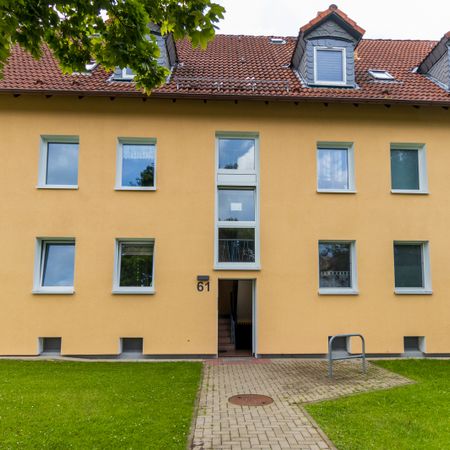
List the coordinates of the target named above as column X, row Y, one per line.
column 330, row 352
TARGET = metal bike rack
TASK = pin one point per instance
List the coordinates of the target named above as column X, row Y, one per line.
column 332, row 358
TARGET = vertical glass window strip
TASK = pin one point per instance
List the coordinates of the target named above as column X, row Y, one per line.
column 408, row 265
column 335, row 265
column 136, row 264
column 405, row 169
column 329, row 66
column 58, row 262
column 333, row 169
column 138, row 165
column 62, row 164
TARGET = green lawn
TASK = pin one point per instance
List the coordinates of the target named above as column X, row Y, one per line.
column 97, row 405
column 405, row 418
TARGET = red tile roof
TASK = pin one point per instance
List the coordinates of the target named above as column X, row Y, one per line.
column 235, row 67
column 322, row 15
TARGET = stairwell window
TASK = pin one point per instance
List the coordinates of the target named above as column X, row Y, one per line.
column 412, row 268
column 408, row 169
column 58, row 162
column 330, row 66
column 54, row 266
column 337, row 268
column 335, row 168
column 136, row 164
column 133, row 271
column 237, row 228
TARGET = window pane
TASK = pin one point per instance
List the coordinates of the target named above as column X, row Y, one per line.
column 405, row 169
column 329, row 65
column 237, row 204
column 237, row 154
column 136, row 264
column 62, row 164
column 333, row 168
column 237, row 245
column 408, row 265
column 58, row 267
column 335, row 265
column 138, row 165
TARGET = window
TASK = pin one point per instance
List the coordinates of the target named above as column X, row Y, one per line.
column 237, row 154
column 131, row 346
column 54, row 266
column 58, row 165
column 134, row 267
column 236, row 205
column 414, row 345
column 237, row 230
column 383, row 75
column 125, row 74
column 335, row 168
column 236, row 245
column 337, row 267
column 136, row 164
column 412, row 268
column 408, row 169
column 50, row 346
column 329, row 66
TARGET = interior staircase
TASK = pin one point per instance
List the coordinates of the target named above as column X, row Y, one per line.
column 225, row 343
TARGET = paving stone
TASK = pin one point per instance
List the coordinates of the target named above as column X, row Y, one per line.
column 284, row 423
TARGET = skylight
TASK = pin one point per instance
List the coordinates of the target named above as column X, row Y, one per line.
column 277, row 40
column 381, row 75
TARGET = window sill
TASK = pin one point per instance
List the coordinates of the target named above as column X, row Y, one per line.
column 54, row 291
column 409, row 192
column 337, row 291
column 131, row 291
column 336, row 191
column 232, row 266
column 134, row 188
column 58, row 186
column 411, row 291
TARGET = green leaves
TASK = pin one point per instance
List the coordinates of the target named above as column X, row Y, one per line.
column 113, row 32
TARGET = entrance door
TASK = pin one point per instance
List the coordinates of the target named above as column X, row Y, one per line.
column 236, row 318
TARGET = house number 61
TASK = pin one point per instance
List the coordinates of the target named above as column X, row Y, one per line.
column 202, row 285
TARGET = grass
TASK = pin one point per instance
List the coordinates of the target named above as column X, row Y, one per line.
column 411, row 417
column 82, row 405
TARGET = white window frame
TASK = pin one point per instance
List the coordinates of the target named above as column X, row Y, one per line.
column 38, row 288
column 343, row 50
column 117, row 289
column 353, row 290
column 237, row 179
column 43, row 156
column 349, row 146
column 422, row 161
column 426, row 270
column 121, row 141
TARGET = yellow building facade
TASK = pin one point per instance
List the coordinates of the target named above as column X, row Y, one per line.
column 291, row 316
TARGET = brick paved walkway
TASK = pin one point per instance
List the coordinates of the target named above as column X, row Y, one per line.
column 282, row 424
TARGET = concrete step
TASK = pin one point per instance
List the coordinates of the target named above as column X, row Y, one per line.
column 226, row 347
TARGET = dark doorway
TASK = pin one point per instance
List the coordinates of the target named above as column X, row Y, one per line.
column 235, row 337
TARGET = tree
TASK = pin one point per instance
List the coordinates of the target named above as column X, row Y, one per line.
column 114, row 33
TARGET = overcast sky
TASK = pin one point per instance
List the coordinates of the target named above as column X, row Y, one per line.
column 388, row 19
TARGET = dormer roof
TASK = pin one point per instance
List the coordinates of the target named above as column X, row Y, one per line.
column 438, row 51
column 333, row 13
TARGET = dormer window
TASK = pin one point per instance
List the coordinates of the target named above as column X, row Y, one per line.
column 324, row 56
column 382, row 75
column 329, row 66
